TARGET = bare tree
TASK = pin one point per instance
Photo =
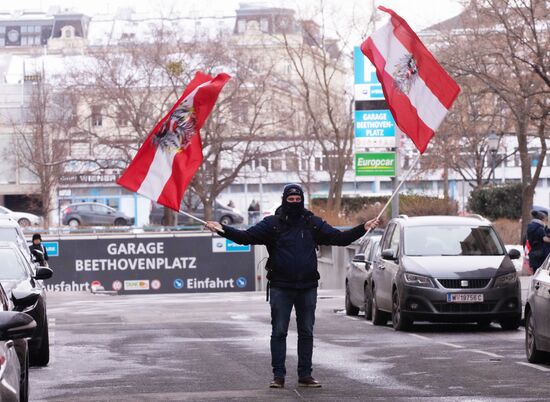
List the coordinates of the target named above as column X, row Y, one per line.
column 318, row 82
column 461, row 145
column 40, row 141
column 490, row 51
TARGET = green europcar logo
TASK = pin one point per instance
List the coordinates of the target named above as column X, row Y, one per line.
column 375, row 164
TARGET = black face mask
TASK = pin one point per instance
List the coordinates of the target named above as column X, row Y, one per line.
column 293, row 209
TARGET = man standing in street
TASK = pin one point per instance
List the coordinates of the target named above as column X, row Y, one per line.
column 291, row 237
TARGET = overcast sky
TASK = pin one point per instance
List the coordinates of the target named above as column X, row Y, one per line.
column 419, row 13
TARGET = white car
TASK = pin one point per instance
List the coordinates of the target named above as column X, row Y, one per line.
column 23, row 218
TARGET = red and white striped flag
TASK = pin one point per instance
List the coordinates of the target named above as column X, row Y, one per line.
column 419, row 92
column 168, row 159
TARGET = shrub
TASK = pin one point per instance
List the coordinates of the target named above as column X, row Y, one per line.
column 359, row 209
column 508, row 230
column 497, row 202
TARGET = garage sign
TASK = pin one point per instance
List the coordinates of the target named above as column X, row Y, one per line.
column 182, row 264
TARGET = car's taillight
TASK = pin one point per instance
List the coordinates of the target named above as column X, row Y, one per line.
column 2, row 360
column 68, row 210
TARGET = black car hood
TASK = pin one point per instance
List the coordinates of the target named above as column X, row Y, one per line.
column 459, row 267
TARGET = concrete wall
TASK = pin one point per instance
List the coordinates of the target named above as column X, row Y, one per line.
column 333, row 262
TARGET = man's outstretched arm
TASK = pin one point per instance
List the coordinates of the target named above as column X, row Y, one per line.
column 261, row 233
column 331, row 236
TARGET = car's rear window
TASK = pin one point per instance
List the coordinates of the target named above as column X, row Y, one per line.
column 12, row 266
column 451, row 240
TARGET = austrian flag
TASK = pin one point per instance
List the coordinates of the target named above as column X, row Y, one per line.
column 419, row 92
column 168, row 159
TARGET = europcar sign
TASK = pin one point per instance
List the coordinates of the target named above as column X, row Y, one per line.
column 375, row 164
column 182, row 264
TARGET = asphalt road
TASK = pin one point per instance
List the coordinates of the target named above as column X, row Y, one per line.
column 215, row 347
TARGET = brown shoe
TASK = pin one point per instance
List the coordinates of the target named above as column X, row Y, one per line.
column 277, row 383
column 309, row 382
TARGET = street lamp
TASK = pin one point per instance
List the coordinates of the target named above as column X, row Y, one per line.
column 492, row 144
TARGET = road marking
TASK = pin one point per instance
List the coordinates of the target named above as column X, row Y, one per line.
column 484, row 353
column 425, row 338
column 452, row 345
column 534, row 366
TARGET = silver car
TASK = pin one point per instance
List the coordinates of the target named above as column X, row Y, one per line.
column 359, row 275
column 446, row 269
column 537, row 313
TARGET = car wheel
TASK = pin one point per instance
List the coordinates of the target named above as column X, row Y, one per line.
column 399, row 320
column 533, row 354
column 378, row 317
column 510, row 324
column 350, row 308
column 41, row 357
column 24, row 222
column 226, row 220
column 120, row 222
column 24, row 382
column 368, row 304
column 74, row 223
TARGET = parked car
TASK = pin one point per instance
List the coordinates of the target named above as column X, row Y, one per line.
column 15, row 328
column 23, row 283
column 94, row 214
column 447, row 269
column 222, row 214
column 11, row 231
column 359, row 274
column 23, row 218
column 537, row 311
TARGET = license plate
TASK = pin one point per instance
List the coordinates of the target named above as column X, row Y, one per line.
column 464, row 298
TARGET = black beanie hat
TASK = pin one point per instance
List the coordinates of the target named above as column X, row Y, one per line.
column 538, row 214
column 293, row 189
column 36, row 236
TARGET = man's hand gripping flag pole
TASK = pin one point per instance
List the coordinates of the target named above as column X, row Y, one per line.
column 419, row 92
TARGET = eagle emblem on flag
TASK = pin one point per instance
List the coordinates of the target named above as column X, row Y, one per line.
column 405, row 73
column 176, row 132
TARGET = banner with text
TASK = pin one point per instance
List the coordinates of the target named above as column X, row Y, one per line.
column 375, row 164
column 184, row 264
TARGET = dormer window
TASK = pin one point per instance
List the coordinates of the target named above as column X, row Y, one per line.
column 67, row 31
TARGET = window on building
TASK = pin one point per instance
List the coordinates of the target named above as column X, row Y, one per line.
column 319, row 163
column 96, row 117
column 241, row 26
column 276, row 165
column 264, row 25
column 122, row 118
column 292, row 163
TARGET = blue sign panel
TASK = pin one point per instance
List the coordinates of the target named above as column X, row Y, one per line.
column 367, row 86
column 374, row 124
column 364, row 71
column 221, row 245
column 52, row 248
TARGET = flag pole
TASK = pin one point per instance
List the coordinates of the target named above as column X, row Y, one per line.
column 396, row 191
column 195, row 218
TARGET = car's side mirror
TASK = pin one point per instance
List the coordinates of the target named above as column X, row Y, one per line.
column 389, row 254
column 22, row 300
column 359, row 258
column 16, row 325
column 514, row 254
column 43, row 273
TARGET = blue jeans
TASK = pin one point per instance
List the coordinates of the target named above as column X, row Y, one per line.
column 304, row 301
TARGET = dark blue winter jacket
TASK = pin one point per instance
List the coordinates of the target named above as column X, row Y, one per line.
column 539, row 248
column 291, row 245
